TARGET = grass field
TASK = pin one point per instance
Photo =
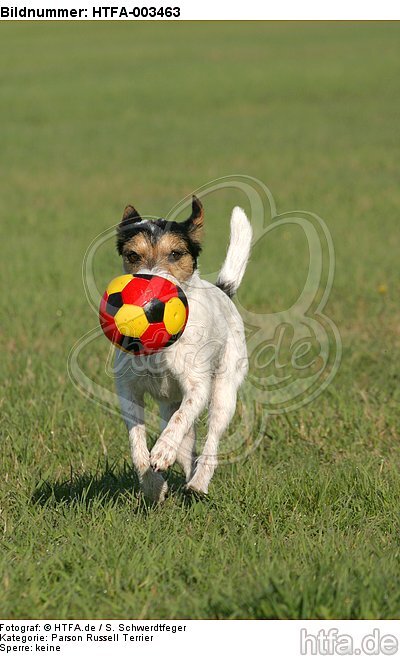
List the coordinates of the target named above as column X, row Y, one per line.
column 96, row 115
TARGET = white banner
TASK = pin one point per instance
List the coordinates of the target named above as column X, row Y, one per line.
column 191, row 637
column 132, row 10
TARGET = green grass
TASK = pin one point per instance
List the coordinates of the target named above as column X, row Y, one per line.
column 96, row 115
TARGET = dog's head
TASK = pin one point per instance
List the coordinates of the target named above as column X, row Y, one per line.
column 160, row 245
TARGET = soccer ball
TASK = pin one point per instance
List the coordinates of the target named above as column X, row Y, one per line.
column 142, row 314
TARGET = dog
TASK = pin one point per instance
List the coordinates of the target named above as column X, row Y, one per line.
column 204, row 368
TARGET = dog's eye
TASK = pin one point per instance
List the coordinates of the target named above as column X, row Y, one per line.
column 132, row 257
column 174, row 256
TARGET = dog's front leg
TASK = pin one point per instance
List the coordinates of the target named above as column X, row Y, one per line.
column 152, row 484
column 222, row 409
column 186, row 454
column 165, row 450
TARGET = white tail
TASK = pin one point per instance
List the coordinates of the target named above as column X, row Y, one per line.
column 238, row 254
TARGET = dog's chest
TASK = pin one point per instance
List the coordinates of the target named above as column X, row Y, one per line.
column 161, row 385
column 150, row 374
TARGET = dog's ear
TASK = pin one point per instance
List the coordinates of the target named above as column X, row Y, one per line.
column 130, row 214
column 129, row 217
column 195, row 223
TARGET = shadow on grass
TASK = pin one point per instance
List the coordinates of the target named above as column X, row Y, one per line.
column 106, row 485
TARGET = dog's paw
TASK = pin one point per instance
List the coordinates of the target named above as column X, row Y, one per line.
column 197, row 487
column 202, row 476
column 195, row 493
column 163, row 455
column 153, row 486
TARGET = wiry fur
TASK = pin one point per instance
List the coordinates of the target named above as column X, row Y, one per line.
column 204, row 368
column 233, row 268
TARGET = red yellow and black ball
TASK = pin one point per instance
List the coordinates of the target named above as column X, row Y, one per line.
column 142, row 314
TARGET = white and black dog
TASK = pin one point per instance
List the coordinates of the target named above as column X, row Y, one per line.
column 204, row 368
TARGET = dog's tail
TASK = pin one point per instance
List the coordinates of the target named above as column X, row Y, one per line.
column 238, row 254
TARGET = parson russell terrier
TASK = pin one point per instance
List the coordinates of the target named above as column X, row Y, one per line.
column 204, row 368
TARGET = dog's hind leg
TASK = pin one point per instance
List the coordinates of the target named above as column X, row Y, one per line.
column 186, row 454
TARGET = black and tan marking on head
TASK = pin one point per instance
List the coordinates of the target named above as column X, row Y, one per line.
column 169, row 246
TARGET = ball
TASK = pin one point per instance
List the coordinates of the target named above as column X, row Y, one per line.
column 143, row 314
